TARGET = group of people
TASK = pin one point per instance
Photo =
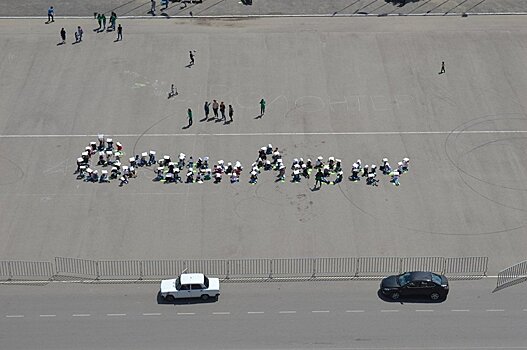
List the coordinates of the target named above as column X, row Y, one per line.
column 188, row 170
column 219, row 111
column 101, row 20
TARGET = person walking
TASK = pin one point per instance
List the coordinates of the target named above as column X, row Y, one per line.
column 191, row 58
column 318, row 179
column 231, row 113
column 222, row 111
column 119, row 32
column 113, row 18
column 153, row 7
column 442, row 68
column 262, row 107
column 103, row 17
column 189, row 115
column 215, row 107
column 51, row 14
column 79, row 33
column 63, row 35
column 99, row 21
column 207, row 110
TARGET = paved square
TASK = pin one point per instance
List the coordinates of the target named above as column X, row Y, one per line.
column 351, row 88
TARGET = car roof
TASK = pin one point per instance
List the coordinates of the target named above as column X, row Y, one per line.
column 420, row 276
column 192, row 278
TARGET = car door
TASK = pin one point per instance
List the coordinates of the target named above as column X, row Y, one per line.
column 411, row 289
column 196, row 290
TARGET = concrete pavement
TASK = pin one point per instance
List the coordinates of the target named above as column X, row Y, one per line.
column 264, row 7
column 347, row 315
column 352, row 89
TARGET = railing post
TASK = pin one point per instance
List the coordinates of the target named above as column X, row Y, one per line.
column 140, row 270
column 270, row 268
column 314, row 267
column 228, row 262
column 10, row 270
column 97, row 270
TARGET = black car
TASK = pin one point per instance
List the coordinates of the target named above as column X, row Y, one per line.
column 415, row 284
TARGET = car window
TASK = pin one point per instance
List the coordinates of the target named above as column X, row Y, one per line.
column 436, row 279
column 196, row 286
column 178, row 284
column 185, row 287
column 206, row 282
column 404, row 279
column 412, row 285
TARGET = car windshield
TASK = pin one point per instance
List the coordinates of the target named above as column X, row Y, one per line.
column 206, row 281
column 436, row 279
column 178, row 284
column 404, row 279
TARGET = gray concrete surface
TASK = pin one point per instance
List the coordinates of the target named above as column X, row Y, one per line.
column 364, row 88
column 263, row 7
column 343, row 315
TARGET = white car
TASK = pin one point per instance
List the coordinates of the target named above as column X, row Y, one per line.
column 190, row 285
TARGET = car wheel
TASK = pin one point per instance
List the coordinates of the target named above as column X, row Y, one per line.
column 435, row 296
column 395, row 295
column 205, row 297
column 170, row 298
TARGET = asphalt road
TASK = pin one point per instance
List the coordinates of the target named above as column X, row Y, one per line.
column 325, row 315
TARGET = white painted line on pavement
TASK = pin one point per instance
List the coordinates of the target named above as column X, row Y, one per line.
column 255, row 312
column 322, row 133
column 221, row 313
column 354, row 310
column 494, row 310
column 115, row 314
column 186, row 313
column 287, row 312
column 14, row 316
column 389, row 310
column 47, row 315
column 460, row 310
column 319, row 311
column 152, row 314
column 424, row 310
column 81, row 315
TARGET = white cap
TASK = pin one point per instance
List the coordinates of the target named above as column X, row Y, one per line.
column 221, row 162
column 269, row 146
column 297, row 166
column 373, row 166
column 109, row 153
column 96, row 171
column 118, row 143
column 296, row 172
column 263, row 148
column 93, row 143
column 125, row 167
column 104, row 172
column 80, row 160
column 358, row 161
column 355, row 165
column 406, row 160
column 144, row 154
column 320, row 158
column 309, row 160
column 84, row 153
column 83, row 167
column 338, row 160
column 171, row 164
column 332, row 158
column 267, row 161
column 205, row 159
column 109, row 140
column 114, row 168
column 279, row 160
column 160, row 168
column 396, row 173
column 100, row 136
column 101, row 153
column 87, row 148
column 152, row 152
column 295, row 160
column 253, row 172
column 132, row 168
column 169, row 175
column 177, row 170
column 90, row 170
column 371, row 175
column 238, row 164
column 165, row 157
column 181, row 156
column 190, row 173
column 304, row 166
column 400, row 163
column 229, row 164
column 122, row 178
column 385, row 160
column 341, row 172
column 132, row 159
column 282, row 166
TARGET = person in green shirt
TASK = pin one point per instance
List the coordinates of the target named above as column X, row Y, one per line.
column 189, row 114
column 262, row 107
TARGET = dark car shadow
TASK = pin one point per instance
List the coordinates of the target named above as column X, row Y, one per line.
column 413, row 300
column 184, row 301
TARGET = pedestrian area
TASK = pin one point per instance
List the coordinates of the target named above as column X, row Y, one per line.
column 340, row 89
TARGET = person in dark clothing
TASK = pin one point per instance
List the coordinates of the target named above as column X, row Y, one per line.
column 207, row 110
column 222, row 111
column 119, row 33
column 63, row 35
column 231, row 113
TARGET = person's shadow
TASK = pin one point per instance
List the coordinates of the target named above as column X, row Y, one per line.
column 61, row 43
column 259, row 116
column 189, row 65
column 186, row 127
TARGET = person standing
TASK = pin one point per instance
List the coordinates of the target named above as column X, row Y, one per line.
column 207, row 110
column 153, row 7
column 222, row 111
column 189, row 115
column 103, row 17
column 79, row 33
column 231, row 113
column 191, row 58
column 51, row 14
column 113, row 18
column 442, row 68
column 99, row 20
column 262, row 107
column 119, row 32
column 215, row 107
column 63, row 35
